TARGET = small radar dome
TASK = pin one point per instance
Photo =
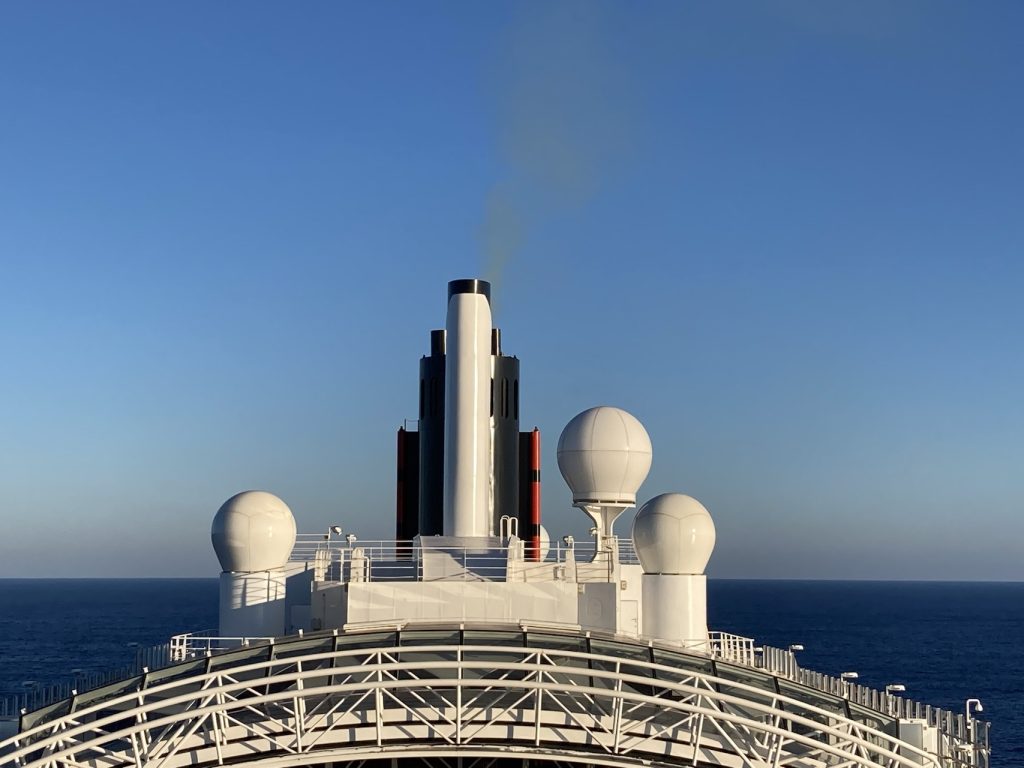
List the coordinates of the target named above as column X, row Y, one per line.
column 253, row 531
column 545, row 543
column 673, row 533
column 604, row 454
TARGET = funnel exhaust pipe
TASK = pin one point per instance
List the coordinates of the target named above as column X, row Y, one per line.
column 467, row 444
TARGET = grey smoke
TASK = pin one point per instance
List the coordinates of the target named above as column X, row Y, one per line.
column 564, row 118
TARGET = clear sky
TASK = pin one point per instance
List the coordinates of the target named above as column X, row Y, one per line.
column 788, row 237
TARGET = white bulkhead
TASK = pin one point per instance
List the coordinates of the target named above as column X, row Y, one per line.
column 252, row 604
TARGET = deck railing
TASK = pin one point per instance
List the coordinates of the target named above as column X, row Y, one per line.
column 327, row 705
column 34, row 696
column 389, row 560
column 729, row 647
column 963, row 741
column 403, row 560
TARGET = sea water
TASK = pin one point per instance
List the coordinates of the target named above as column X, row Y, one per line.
column 944, row 641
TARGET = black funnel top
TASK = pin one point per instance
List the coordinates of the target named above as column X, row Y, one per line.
column 469, row 285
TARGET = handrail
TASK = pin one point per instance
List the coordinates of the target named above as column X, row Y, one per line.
column 398, row 560
column 13, row 704
column 954, row 729
column 745, row 707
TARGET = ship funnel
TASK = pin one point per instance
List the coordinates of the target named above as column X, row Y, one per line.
column 467, row 443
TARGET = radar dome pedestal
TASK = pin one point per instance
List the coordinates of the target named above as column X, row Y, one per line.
column 604, row 454
column 253, row 535
column 674, row 536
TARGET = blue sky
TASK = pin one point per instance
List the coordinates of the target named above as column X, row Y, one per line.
column 788, row 237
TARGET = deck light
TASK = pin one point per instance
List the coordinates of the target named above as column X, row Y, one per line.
column 846, row 677
column 795, row 647
column 975, row 705
column 890, row 696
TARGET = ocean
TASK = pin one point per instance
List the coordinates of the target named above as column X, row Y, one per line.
column 944, row 641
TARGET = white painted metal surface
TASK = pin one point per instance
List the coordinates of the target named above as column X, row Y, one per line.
column 604, row 454
column 676, row 609
column 252, row 604
column 467, row 416
column 465, row 693
column 673, row 533
column 253, row 531
column 949, row 736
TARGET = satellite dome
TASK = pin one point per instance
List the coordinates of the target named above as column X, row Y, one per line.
column 673, row 533
column 545, row 543
column 253, row 531
column 604, row 454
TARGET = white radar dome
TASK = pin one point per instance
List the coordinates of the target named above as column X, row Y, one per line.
column 673, row 533
column 253, row 531
column 545, row 543
column 604, row 454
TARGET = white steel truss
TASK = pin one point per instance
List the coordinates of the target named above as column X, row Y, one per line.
column 455, row 702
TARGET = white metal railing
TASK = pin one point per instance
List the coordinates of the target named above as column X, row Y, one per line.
column 446, row 699
column 36, row 695
column 308, row 545
column 736, row 649
column 190, row 644
column 955, row 730
column 729, row 647
column 957, row 735
column 720, row 645
column 391, row 560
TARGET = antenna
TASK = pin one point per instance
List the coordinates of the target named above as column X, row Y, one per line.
column 604, row 454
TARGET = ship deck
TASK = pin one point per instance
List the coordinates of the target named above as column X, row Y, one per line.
column 480, row 692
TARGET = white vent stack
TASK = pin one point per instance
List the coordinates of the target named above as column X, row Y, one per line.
column 604, row 454
column 674, row 536
column 467, row 439
column 253, row 534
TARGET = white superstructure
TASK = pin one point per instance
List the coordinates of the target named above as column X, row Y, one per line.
column 482, row 644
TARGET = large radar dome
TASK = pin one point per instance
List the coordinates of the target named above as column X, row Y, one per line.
column 673, row 533
column 604, row 454
column 253, row 531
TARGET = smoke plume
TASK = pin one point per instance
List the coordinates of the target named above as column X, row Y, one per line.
column 562, row 118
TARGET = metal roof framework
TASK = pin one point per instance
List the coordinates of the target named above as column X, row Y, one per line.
column 457, row 692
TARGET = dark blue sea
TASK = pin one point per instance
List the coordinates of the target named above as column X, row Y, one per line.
column 944, row 641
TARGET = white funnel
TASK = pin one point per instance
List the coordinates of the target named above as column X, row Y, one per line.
column 467, row 436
